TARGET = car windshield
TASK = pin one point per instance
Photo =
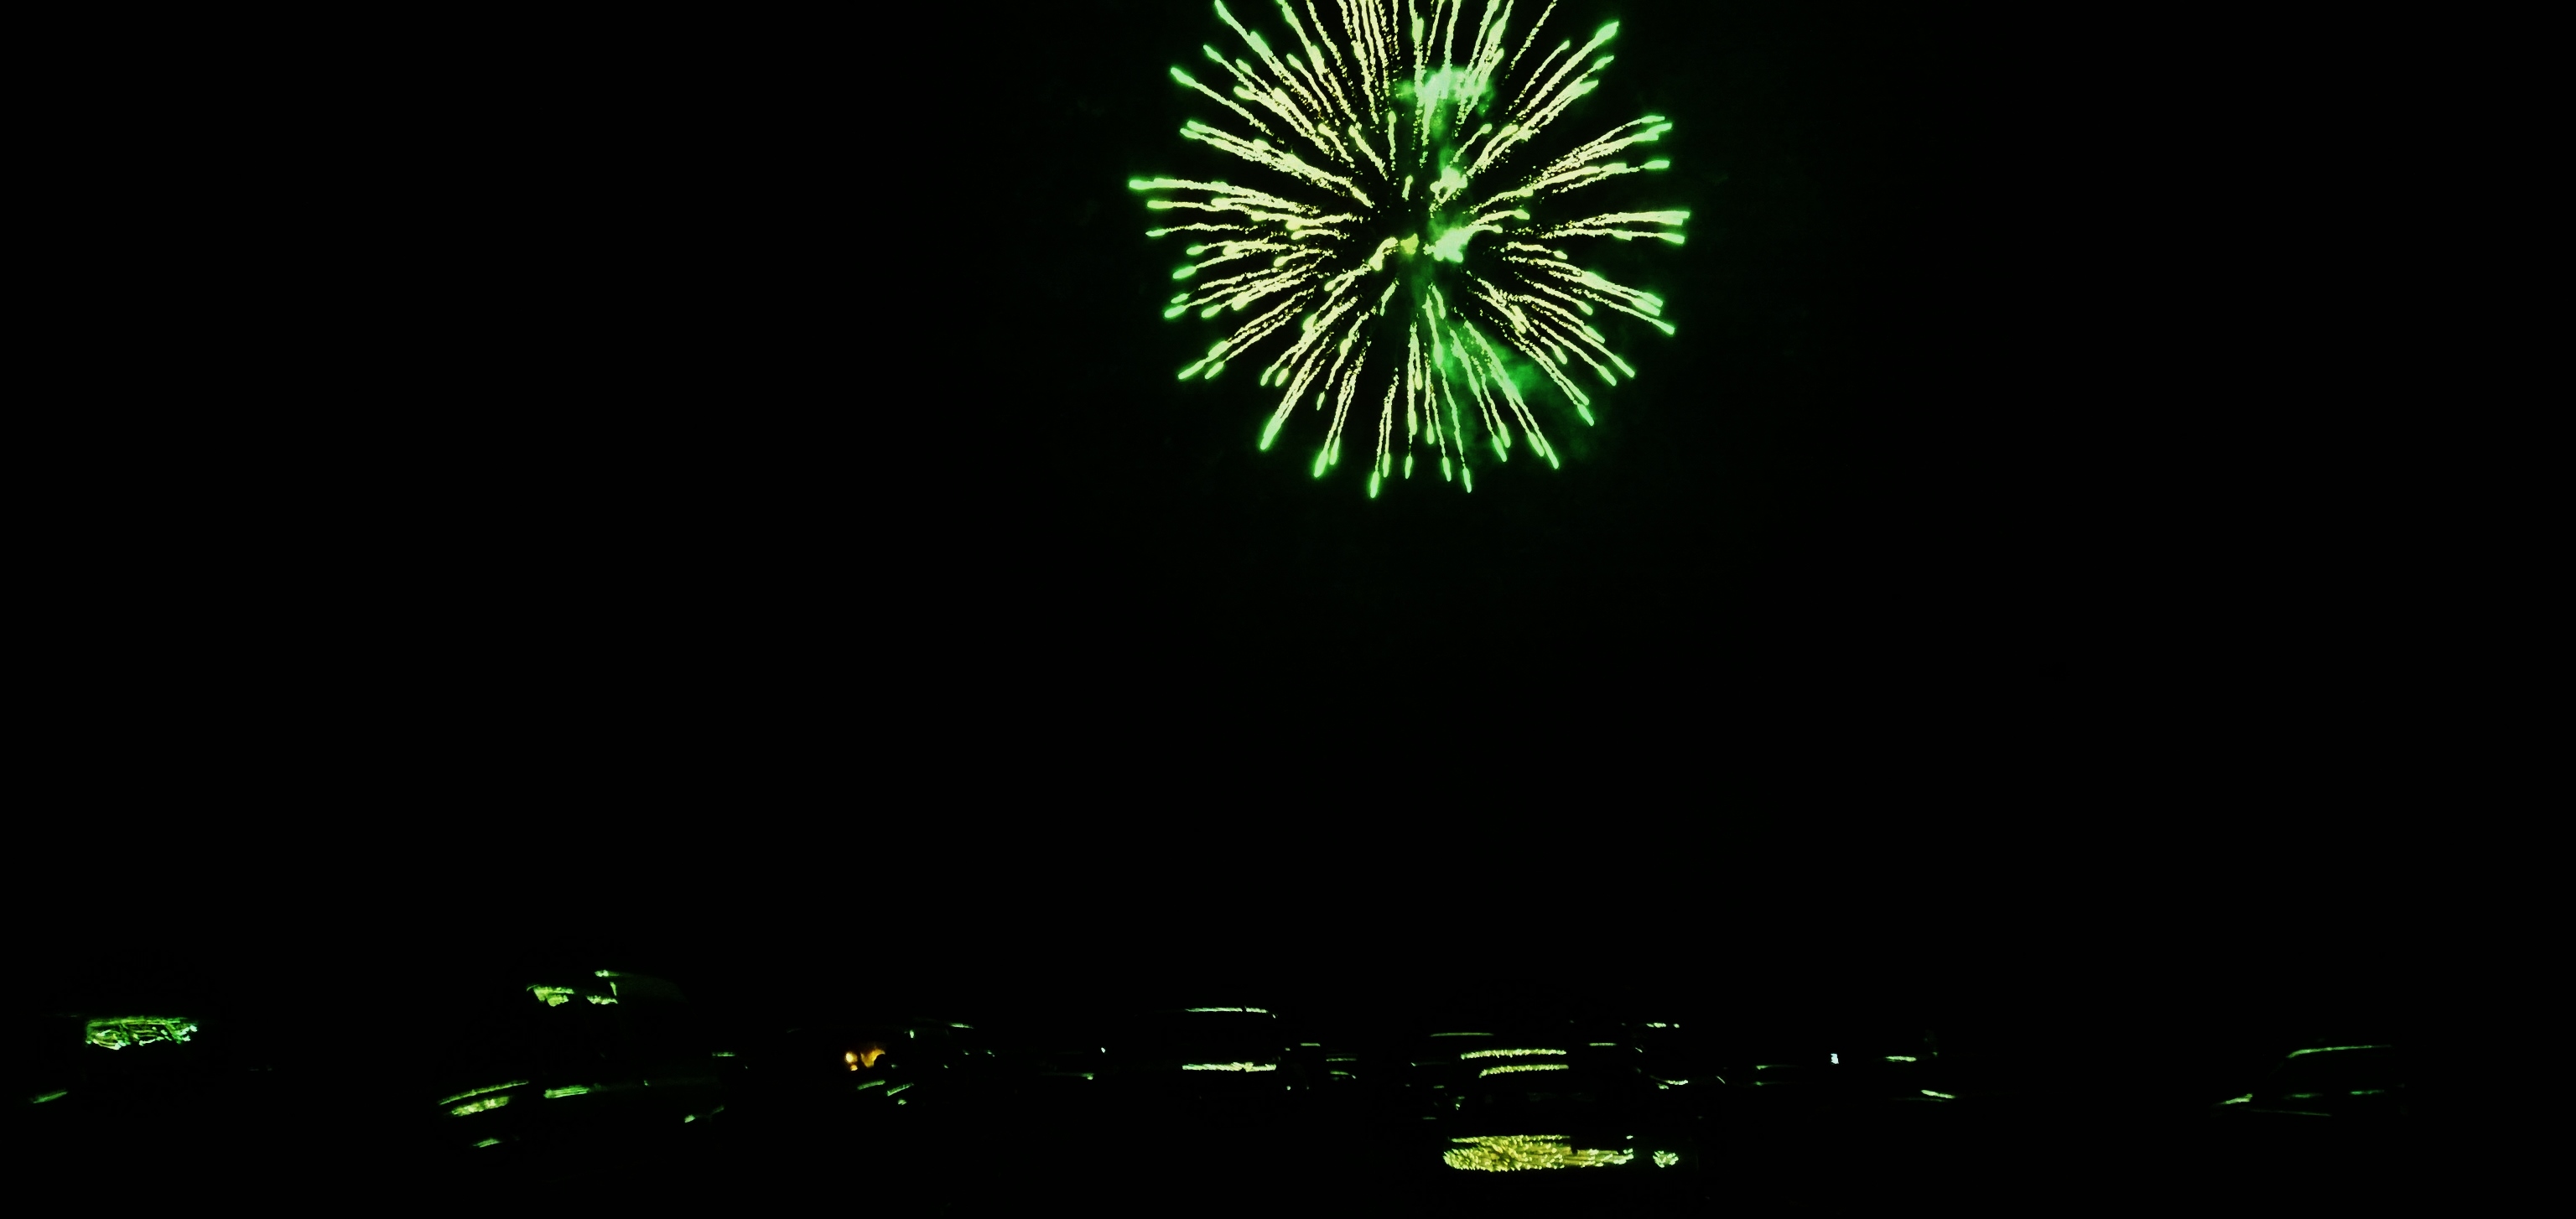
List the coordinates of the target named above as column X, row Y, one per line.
column 1545, row 1088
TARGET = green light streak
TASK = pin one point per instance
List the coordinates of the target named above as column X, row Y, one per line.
column 488, row 1143
column 1349, row 124
column 1666, row 1159
column 1527, row 1066
column 1506, row 1053
column 569, row 1090
column 2332, row 1049
column 516, row 1083
column 487, row 1103
column 43, row 1097
column 1946, row 1096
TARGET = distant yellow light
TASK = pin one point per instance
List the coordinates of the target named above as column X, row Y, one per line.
column 1229, row 1066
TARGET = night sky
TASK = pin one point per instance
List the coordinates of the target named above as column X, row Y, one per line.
column 882, row 345
column 764, row 529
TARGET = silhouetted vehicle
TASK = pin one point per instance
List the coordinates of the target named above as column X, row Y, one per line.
column 1544, row 1109
column 881, row 1070
column 1840, row 1076
column 572, row 1068
column 1155, row 1107
column 2356, row 1083
column 1211, row 1064
column 96, row 1088
column 1343, row 1070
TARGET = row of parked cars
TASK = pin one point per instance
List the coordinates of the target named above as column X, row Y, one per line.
column 601, row 1071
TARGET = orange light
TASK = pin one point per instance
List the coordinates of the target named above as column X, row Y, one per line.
column 864, row 1056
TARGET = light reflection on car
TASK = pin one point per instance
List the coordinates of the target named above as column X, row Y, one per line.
column 595, row 1060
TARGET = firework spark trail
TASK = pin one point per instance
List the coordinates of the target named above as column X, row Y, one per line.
column 1380, row 116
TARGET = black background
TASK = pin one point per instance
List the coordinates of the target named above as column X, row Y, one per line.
column 718, row 493
column 916, row 317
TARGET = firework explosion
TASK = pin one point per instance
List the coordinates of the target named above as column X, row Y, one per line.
column 1393, row 182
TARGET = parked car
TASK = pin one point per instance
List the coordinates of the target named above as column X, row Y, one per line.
column 572, row 1067
column 1545, row 1108
column 1204, row 1045
column 1840, row 1074
column 115, row 1084
column 2356, row 1083
column 834, row 1065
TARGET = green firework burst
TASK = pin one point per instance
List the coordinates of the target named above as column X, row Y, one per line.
column 1401, row 156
